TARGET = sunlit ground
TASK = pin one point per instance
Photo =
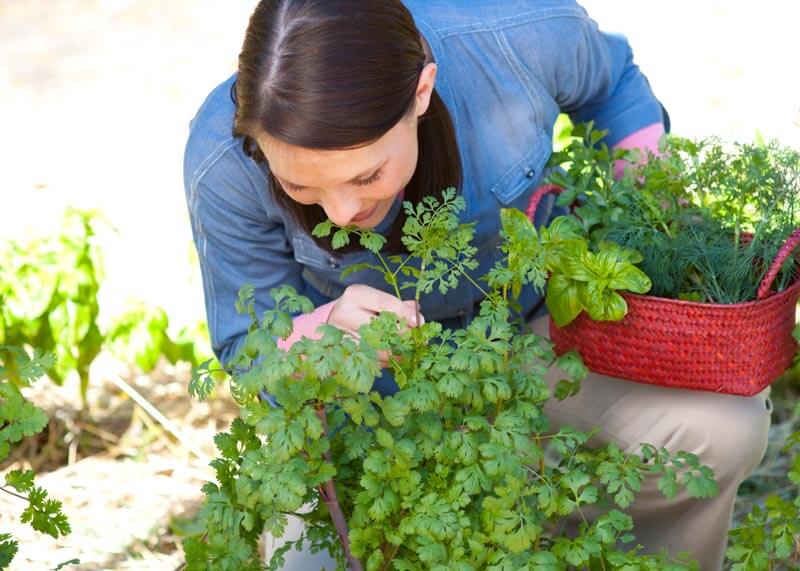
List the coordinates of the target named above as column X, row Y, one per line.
column 96, row 96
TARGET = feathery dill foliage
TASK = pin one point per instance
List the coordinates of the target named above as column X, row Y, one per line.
column 459, row 469
column 706, row 217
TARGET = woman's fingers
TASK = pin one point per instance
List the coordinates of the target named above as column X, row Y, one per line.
column 360, row 303
column 375, row 301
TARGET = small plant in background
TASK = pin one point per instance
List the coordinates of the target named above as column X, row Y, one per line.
column 20, row 419
column 49, row 292
column 48, row 298
column 141, row 336
column 459, row 469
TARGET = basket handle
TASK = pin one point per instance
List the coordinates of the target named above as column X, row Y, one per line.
column 537, row 196
column 766, row 284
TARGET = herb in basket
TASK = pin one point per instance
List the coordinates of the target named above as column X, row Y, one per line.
column 714, row 227
column 706, row 218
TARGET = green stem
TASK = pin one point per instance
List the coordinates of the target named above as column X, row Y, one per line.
column 483, row 291
column 390, row 277
column 14, row 494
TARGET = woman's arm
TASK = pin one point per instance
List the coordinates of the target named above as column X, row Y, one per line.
column 589, row 74
column 238, row 242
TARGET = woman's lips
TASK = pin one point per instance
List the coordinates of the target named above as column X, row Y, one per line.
column 364, row 214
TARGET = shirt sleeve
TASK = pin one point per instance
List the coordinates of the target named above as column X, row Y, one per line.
column 306, row 325
column 591, row 75
column 237, row 243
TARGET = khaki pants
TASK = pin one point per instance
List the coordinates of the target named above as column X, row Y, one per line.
column 728, row 433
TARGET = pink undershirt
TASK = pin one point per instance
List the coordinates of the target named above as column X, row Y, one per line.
column 306, row 325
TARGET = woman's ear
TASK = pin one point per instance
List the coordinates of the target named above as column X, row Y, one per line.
column 427, row 79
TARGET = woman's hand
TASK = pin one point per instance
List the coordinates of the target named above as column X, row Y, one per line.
column 360, row 303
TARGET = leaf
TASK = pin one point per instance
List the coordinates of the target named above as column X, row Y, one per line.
column 473, row 479
column 341, row 238
column 701, row 483
column 360, row 267
column 8, row 549
column 572, row 364
column 22, row 481
column 630, row 278
column 18, row 417
column 323, row 229
column 372, row 241
column 668, row 484
column 244, row 303
column 44, row 514
column 562, row 299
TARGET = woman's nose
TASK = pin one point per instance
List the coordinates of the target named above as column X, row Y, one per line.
column 341, row 209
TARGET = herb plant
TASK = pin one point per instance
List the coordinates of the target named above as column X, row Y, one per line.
column 770, row 534
column 706, row 218
column 19, row 419
column 460, row 469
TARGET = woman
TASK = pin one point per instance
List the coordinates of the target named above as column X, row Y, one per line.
column 345, row 108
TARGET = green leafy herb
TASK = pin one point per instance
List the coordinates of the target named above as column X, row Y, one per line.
column 459, row 468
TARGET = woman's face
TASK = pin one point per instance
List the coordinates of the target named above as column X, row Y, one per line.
column 354, row 186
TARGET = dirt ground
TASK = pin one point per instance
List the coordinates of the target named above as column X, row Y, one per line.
column 95, row 100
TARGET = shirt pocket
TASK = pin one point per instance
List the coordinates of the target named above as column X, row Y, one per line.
column 524, row 174
column 308, row 253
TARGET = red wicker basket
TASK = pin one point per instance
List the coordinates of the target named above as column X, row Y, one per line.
column 737, row 349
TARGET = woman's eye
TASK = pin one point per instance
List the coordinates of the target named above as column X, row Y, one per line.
column 370, row 180
column 292, row 188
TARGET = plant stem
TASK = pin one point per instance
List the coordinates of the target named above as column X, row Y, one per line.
column 388, row 561
column 14, row 494
column 390, row 277
column 327, row 492
column 483, row 291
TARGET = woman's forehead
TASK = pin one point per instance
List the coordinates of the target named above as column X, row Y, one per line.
column 296, row 164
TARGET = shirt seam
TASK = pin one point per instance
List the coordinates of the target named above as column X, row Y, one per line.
column 511, row 21
column 212, row 159
column 517, row 67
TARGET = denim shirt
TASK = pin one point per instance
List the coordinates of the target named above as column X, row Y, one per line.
column 506, row 68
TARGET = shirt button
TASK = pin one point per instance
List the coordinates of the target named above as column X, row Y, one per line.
column 529, row 172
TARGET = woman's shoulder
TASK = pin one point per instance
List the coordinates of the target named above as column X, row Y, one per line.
column 211, row 149
column 451, row 17
column 211, row 133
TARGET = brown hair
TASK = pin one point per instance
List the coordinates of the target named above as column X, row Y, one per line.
column 338, row 74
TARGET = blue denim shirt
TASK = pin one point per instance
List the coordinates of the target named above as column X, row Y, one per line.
column 506, row 68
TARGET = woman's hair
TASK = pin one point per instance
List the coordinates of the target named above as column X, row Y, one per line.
column 338, row 74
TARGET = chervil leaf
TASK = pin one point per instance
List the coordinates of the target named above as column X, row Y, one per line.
column 44, row 514
column 22, row 481
column 341, row 238
column 8, row 549
column 323, row 229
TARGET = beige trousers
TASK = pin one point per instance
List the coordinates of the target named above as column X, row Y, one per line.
column 728, row 433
